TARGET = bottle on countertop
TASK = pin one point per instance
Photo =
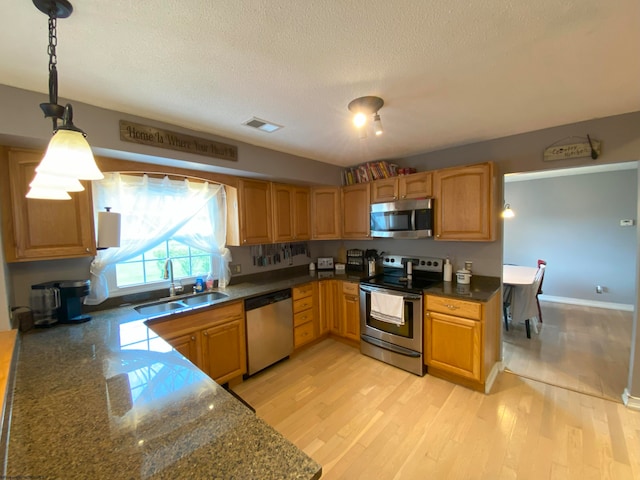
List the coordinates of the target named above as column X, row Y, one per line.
column 209, row 282
column 448, row 270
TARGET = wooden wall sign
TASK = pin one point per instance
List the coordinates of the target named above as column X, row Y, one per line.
column 157, row 137
column 574, row 150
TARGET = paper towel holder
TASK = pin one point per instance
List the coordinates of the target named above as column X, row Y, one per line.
column 108, row 229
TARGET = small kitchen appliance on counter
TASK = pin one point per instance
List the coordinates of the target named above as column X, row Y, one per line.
column 59, row 301
column 355, row 260
column 325, row 263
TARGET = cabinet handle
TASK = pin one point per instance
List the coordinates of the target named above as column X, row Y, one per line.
column 404, row 196
column 452, row 307
column 87, row 250
column 194, row 338
column 205, row 334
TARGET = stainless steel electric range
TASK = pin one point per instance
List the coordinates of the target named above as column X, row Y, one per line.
column 391, row 314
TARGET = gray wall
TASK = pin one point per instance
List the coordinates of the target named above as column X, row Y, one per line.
column 573, row 222
column 22, row 124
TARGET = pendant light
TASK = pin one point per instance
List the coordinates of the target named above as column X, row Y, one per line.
column 507, row 212
column 365, row 108
column 68, row 157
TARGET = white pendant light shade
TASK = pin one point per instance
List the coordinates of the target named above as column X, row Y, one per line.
column 70, row 155
column 57, row 182
column 48, row 194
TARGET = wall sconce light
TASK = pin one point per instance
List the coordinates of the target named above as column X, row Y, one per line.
column 68, row 157
column 507, row 212
column 364, row 108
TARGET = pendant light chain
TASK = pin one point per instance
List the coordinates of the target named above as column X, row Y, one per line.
column 53, row 61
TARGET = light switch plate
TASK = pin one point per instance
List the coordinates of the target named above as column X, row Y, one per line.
column 626, row 223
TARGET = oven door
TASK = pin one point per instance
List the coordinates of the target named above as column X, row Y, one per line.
column 407, row 336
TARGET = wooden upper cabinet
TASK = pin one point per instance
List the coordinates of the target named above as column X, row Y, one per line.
column 464, row 203
column 355, row 211
column 416, row 185
column 325, row 213
column 301, row 213
column 283, row 212
column 35, row 229
column 291, row 205
column 254, row 198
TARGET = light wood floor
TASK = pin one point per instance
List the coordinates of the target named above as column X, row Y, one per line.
column 582, row 348
column 360, row 418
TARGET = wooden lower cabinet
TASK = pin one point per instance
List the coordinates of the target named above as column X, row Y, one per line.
column 305, row 304
column 350, row 321
column 186, row 344
column 328, row 306
column 212, row 339
column 461, row 339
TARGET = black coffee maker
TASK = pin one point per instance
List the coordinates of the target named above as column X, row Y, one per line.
column 59, row 301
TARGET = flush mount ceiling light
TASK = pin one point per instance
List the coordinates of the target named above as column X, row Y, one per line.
column 365, row 108
column 68, row 157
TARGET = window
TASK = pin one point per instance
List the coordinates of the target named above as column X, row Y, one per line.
column 188, row 262
column 161, row 218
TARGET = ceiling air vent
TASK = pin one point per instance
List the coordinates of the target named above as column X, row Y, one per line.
column 262, row 125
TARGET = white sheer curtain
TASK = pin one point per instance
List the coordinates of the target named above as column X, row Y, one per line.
column 154, row 210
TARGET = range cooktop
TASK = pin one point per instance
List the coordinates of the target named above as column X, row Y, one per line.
column 424, row 272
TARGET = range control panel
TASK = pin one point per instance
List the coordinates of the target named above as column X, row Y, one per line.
column 425, row 264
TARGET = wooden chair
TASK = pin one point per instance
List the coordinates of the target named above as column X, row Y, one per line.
column 540, row 262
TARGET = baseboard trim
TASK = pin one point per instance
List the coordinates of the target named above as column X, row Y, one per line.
column 493, row 374
column 630, row 401
column 587, row 303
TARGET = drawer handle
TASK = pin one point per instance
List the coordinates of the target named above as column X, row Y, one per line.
column 452, row 307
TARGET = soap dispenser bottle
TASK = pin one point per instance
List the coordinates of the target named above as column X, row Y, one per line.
column 448, row 270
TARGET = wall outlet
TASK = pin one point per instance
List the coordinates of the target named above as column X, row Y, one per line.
column 599, row 288
column 235, row 268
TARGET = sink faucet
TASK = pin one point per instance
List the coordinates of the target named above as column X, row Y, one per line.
column 168, row 275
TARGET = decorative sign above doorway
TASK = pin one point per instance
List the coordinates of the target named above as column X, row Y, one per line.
column 589, row 148
column 157, row 137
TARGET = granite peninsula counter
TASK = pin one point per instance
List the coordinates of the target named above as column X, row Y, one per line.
column 110, row 399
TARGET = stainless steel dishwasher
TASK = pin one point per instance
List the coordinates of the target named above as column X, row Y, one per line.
column 269, row 329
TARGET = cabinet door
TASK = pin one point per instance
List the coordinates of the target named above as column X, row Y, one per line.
column 326, row 218
column 187, row 345
column 301, row 212
column 223, row 351
column 37, row 229
column 464, row 203
column 453, row 344
column 350, row 311
column 417, row 185
column 384, row 190
column 283, row 212
column 255, row 211
column 327, row 312
column 355, row 211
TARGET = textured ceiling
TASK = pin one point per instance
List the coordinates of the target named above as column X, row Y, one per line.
column 450, row 72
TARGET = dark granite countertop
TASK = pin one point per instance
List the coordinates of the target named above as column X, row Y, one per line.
column 110, row 399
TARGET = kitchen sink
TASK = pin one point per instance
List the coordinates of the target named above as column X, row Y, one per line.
column 176, row 304
column 203, row 298
column 164, row 307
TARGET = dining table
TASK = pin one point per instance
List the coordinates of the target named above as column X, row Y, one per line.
column 517, row 280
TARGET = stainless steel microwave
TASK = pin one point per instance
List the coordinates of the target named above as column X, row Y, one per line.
column 402, row 219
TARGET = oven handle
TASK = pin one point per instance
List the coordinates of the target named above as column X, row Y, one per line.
column 367, row 288
column 389, row 346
